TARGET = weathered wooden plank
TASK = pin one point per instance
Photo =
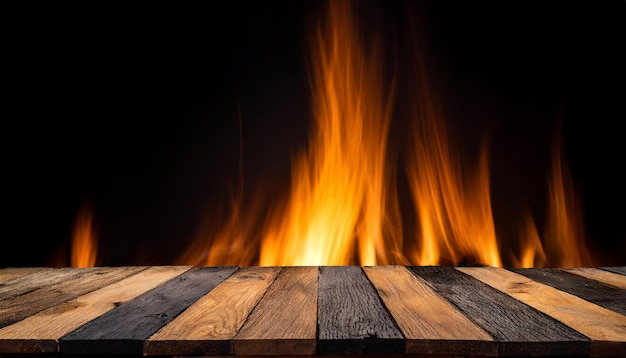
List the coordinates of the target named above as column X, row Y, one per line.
column 284, row 321
column 351, row 317
column 19, row 307
column 38, row 280
column 430, row 324
column 124, row 329
column 604, row 295
column 617, row 269
column 519, row 329
column 9, row 273
column 608, row 277
column 40, row 333
column 209, row 325
column 606, row 328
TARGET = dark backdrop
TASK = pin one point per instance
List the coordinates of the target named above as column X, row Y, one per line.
column 138, row 108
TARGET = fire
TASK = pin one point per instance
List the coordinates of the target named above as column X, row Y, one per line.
column 564, row 237
column 341, row 185
column 342, row 207
column 84, row 239
column 532, row 254
column 453, row 203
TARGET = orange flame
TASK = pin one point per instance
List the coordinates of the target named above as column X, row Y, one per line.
column 340, row 187
column 453, row 206
column 564, row 234
column 532, row 253
column 84, row 239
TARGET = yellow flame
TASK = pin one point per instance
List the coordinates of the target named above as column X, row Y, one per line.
column 340, row 186
column 84, row 239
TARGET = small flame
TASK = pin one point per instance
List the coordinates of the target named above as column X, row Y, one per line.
column 532, row 254
column 340, row 186
column 84, row 239
column 231, row 245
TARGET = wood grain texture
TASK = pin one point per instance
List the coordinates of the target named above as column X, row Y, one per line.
column 124, row 329
column 608, row 277
column 351, row 317
column 514, row 324
column 284, row 321
column 430, row 324
column 208, row 326
column 604, row 295
column 606, row 328
column 9, row 273
column 38, row 280
column 617, row 269
column 24, row 305
column 40, row 333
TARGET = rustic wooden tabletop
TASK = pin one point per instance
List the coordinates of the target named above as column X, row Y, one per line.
column 326, row 310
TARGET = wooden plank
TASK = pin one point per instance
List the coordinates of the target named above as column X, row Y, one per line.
column 209, row 325
column 608, row 277
column 606, row 328
column 284, row 321
column 45, row 278
column 9, row 273
column 617, row 269
column 519, row 329
column 351, row 317
column 40, row 333
column 604, row 295
column 19, row 307
column 124, row 329
column 430, row 324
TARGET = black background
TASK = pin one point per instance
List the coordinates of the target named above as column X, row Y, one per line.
column 137, row 107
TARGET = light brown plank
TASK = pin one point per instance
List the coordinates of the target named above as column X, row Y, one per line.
column 430, row 324
column 607, row 329
column 285, row 320
column 610, row 278
column 25, row 305
column 208, row 325
column 9, row 273
column 40, row 332
column 40, row 279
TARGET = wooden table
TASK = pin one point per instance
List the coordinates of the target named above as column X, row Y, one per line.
column 327, row 310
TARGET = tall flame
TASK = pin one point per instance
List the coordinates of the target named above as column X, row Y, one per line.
column 340, row 186
column 564, row 234
column 453, row 205
column 84, row 239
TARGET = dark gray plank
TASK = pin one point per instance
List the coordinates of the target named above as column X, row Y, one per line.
column 83, row 281
column 351, row 317
column 616, row 269
column 124, row 329
column 607, row 296
column 519, row 328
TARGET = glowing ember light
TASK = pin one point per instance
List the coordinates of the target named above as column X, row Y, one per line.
column 84, row 239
